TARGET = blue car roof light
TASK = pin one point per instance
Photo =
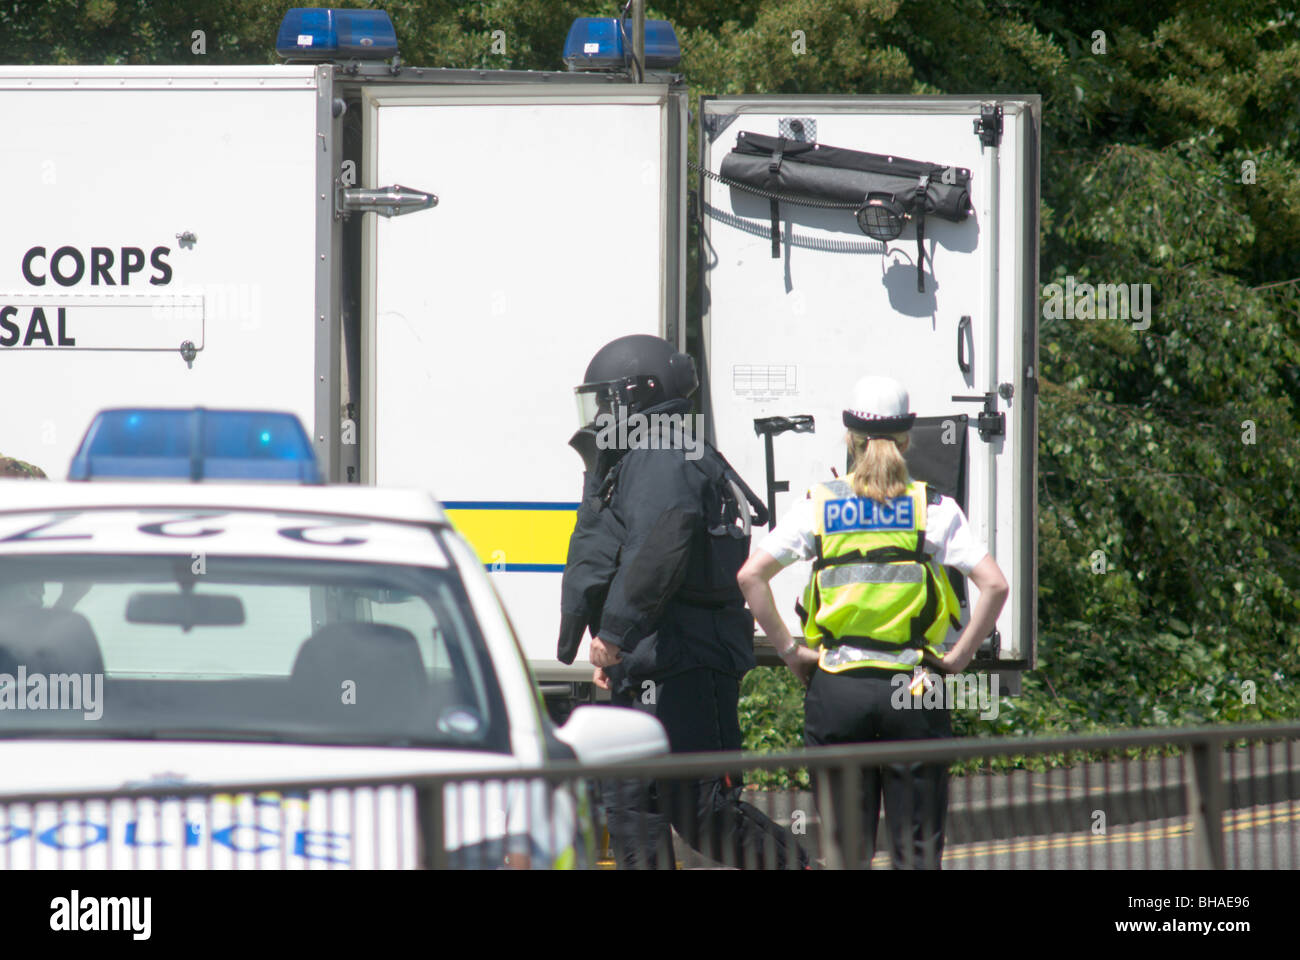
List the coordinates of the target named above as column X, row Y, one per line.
column 597, row 43
column 319, row 34
column 195, row 444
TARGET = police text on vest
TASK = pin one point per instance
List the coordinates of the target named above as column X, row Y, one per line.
column 858, row 513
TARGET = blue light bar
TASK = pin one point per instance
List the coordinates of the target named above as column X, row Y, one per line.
column 313, row 33
column 195, row 444
column 596, row 43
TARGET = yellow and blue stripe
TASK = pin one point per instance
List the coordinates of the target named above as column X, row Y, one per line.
column 516, row 535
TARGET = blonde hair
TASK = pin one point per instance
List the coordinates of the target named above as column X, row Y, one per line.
column 879, row 470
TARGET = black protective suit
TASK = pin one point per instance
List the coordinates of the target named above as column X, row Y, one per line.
column 652, row 569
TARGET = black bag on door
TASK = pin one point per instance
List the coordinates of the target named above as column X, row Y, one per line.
column 883, row 191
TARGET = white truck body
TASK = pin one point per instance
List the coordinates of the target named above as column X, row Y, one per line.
column 439, row 349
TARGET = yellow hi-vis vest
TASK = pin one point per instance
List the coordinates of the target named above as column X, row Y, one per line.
column 875, row 598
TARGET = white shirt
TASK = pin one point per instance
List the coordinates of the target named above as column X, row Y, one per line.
column 948, row 536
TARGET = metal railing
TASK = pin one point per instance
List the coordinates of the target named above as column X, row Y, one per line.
column 1213, row 797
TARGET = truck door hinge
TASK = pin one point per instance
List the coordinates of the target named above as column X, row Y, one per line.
column 386, row 201
column 989, row 125
column 715, row 124
column 990, row 421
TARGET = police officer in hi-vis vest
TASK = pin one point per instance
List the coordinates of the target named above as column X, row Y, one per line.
column 878, row 605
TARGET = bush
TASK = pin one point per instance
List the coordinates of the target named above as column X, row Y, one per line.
column 771, row 721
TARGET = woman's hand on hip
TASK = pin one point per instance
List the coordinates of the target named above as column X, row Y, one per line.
column 803, row 661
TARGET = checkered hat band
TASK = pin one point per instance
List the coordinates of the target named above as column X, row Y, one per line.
column 877, row 426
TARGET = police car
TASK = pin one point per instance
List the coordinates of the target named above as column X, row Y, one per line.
column 240, row 630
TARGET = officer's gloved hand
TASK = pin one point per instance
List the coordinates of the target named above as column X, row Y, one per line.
column 620, row 685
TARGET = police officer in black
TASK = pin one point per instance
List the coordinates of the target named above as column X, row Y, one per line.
column 651, row 573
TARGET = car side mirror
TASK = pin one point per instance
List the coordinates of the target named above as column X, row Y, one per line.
column 613, row 735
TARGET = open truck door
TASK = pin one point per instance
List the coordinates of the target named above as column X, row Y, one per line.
column 790, row 321
column 559, row 227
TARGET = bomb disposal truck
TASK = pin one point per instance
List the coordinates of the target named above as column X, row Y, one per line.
column 419, row 262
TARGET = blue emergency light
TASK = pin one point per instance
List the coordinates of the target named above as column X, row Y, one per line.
column 195, row 444
column 313, row 33
column 597, row 43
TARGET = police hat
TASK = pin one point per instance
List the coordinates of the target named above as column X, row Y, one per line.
column 878, row 408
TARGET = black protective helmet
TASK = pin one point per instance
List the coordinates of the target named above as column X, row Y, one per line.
column 631, row 374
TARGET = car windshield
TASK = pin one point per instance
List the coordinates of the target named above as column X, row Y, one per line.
column 240, row 648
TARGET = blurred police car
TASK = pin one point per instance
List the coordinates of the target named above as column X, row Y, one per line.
column 250, row 631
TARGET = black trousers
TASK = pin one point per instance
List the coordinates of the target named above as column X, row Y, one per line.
column 698, row 709
column 858, row 706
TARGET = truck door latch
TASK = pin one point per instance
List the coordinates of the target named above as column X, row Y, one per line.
column 990, row 421
column 386, row 201
column 767, row 428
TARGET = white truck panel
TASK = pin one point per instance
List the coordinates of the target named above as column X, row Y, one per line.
column 117, row 159
column 548, row 241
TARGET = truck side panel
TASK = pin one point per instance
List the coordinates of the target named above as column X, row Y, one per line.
column 148, row 208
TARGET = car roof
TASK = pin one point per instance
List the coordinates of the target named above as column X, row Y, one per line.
column 344, row 500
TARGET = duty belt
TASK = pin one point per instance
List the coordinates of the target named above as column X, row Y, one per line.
column 854, row 649
column 847, row 653
column 868, row 643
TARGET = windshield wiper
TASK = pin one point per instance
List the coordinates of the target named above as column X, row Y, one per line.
column 77, row 733
column 236, row 736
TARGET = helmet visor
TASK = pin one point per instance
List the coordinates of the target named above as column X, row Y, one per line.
column 592, row 401
column 616, row 397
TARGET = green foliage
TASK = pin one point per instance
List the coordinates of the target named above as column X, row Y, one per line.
column 1101, row 680
column 107, row 32
column 13, row 467
column 771, row 720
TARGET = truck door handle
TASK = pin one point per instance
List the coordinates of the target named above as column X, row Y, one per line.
column 964, row 339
